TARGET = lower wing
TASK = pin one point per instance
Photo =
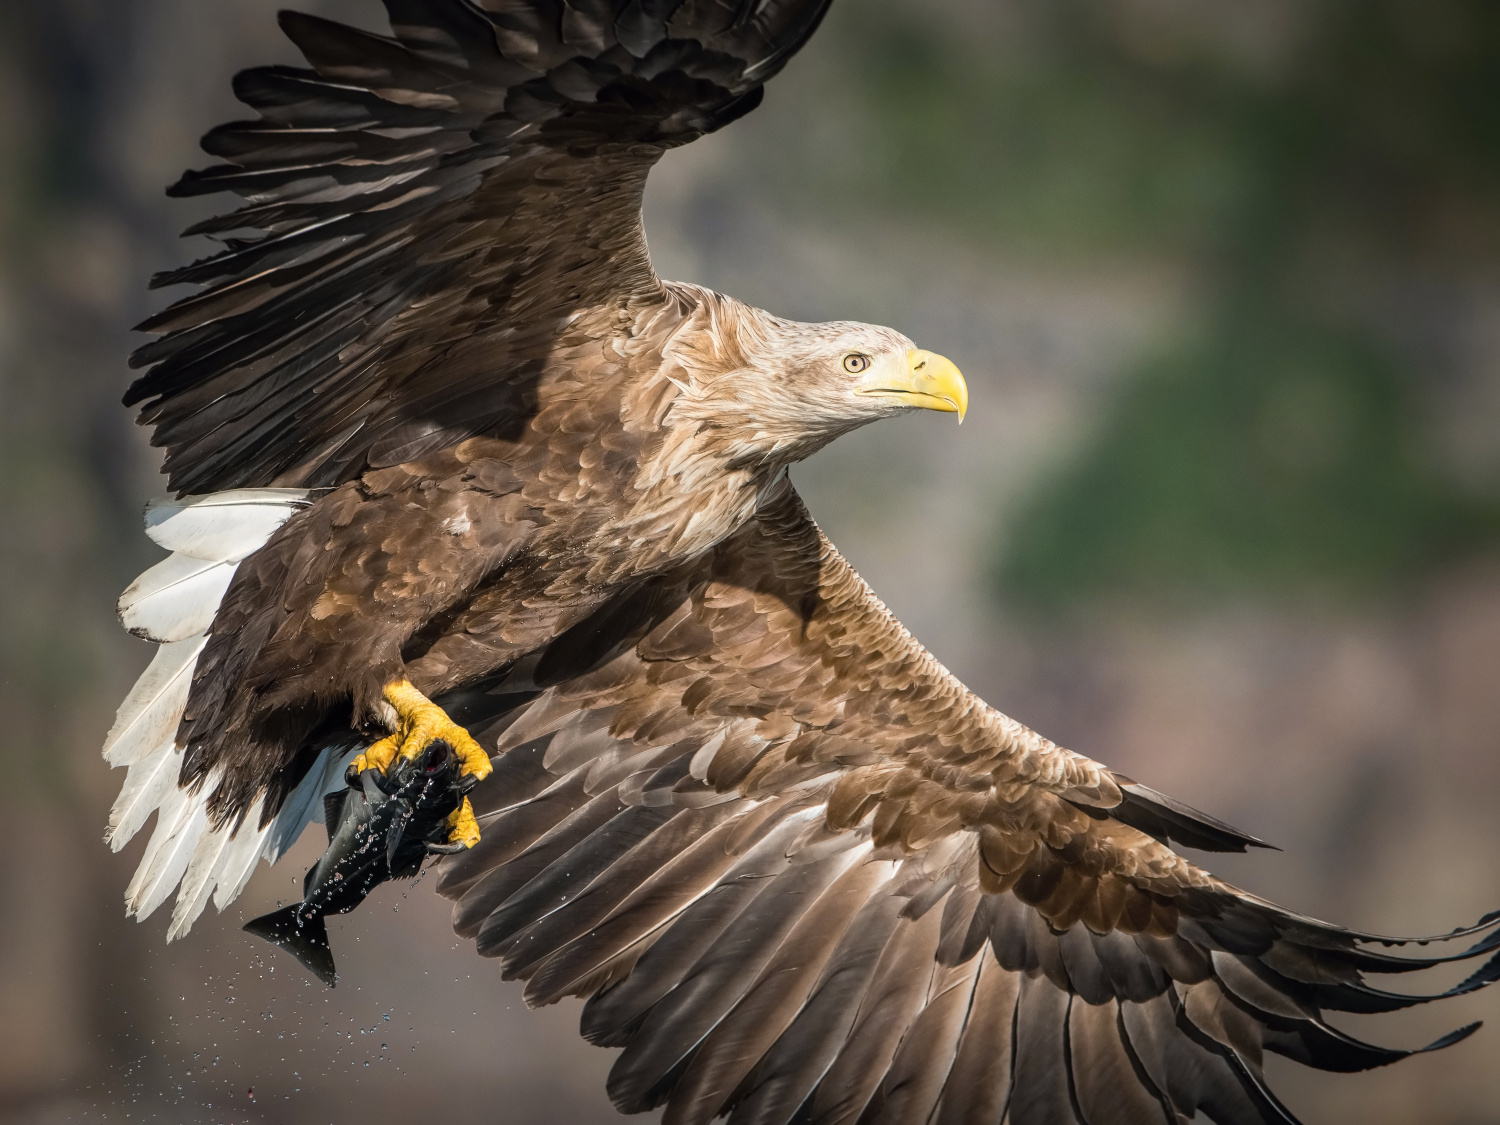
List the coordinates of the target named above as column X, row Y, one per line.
column 801, row 874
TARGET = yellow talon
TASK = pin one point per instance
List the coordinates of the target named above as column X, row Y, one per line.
column 465, row 827
column 421, row 723
column 377, row 757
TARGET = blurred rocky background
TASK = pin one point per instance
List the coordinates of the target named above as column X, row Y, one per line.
column 1225, row 280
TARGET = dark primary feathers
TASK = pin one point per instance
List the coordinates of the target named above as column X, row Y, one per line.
column 420, row 213
column 799, row 871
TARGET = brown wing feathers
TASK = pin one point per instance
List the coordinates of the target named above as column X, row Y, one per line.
column 422, row 210
column 660, row 835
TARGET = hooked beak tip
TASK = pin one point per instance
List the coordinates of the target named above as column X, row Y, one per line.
column 937, row 377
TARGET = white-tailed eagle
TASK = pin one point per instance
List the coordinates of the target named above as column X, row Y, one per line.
column 453, row 468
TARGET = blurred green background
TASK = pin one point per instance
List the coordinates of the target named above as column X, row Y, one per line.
column 1225, row 280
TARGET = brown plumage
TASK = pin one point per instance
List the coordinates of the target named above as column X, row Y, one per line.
column 800, row 871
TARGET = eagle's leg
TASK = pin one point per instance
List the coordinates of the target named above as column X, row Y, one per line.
column 419, row 723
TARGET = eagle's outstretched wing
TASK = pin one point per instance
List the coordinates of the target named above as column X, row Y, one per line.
column 804, row 875
column 423, row 213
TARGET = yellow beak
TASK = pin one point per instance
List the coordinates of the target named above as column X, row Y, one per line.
column 930, row 381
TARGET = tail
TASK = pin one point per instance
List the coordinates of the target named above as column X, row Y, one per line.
column 305, row 939
column 174, row 603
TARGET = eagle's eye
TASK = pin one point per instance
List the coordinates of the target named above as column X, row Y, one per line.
column 856, row 363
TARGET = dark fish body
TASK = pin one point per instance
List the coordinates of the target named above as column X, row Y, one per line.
column 379, row 828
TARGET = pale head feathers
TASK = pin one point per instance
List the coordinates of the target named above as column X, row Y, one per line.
column 739, row 395
column 767, row 390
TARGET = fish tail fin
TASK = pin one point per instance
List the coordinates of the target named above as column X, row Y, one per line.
column 304, row 938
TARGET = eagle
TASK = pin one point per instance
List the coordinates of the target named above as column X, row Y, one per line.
column 450, row 464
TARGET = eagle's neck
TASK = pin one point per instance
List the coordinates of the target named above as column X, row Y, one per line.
column 687, row 498
column 703, row 468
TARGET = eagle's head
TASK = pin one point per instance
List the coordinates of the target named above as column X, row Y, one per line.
column 775, row 390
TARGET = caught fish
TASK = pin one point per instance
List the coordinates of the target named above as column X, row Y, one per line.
column 381, row 827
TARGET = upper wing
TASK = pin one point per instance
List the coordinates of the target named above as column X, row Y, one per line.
column 804, row 875
column 423, row 213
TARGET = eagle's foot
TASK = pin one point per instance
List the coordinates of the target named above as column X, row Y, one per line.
column 420, row 723
column 465, row 827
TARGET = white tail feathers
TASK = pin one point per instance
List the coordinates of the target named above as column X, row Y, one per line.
column 176, row 599
column 222, row 526
column 180, row 822
column 224, row 859
column 213, row 854
column 151, row 712
column 146, row 786
column 174, row 603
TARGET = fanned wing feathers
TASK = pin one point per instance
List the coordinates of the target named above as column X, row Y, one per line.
column 422, row 211
column 804, row 876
